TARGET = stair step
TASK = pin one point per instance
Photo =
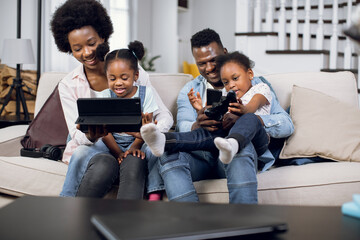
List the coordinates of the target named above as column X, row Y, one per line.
column 315, row 21
column 256, row 34
column 341, row 54
column 300, row 35
column 298, row 52
column 353, row 70
column 340, row 5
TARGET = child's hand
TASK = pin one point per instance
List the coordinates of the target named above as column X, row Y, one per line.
column 134, row 134
column 195, row 101
column 120, row 157
column 147, row 118
column 135, row 152
column 237, row 108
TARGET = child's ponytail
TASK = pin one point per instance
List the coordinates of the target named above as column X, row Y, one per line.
column 137, row 49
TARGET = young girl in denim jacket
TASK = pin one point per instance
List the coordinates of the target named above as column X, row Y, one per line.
column 121, row 68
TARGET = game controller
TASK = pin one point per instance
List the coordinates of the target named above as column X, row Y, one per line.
column 218, row 109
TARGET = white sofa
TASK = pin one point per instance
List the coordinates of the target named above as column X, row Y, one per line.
column 327, row 184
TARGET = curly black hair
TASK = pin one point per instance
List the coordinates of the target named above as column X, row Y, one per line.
column 235, row 57
column 204, row 38
column 134, row 53
column 75, row 14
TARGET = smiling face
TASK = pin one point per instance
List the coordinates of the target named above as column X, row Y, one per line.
column 121, row 78
column 205, row 61
column 235, row 77
column 83, row 43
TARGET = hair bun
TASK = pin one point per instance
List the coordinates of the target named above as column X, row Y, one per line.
column 137, row 48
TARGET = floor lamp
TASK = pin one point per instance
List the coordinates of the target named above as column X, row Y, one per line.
column 18, row 51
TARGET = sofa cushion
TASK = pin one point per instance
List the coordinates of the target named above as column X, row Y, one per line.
column 317, row 184
column 324, row 127
column 341, row 85
column 31, row 176
column 12, row 132
column 172, row 83
column 10, row 140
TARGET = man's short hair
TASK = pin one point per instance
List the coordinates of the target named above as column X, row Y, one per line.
column 204, row 38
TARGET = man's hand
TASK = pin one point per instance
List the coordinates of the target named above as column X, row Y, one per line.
column 229, row 121
column 205, row 122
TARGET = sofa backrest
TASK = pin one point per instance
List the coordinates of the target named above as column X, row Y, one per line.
column 341, row 85
column 168, row 87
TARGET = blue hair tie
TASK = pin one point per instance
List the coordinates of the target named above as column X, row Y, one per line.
column 134, row 54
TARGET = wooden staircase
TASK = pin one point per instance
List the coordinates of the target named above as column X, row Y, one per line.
column 296, row 35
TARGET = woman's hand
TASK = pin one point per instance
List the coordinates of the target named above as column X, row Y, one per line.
column 95, row 132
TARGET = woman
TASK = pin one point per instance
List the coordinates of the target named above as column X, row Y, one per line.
column 78, row 27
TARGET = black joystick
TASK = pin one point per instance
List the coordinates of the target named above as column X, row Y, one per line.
column 218, row 109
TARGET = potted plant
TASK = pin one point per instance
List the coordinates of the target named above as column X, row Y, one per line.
column 148, row 64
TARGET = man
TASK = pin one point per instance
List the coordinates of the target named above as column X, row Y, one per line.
column 179, row 170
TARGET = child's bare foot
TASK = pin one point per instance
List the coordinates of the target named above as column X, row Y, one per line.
column 153, row 138
column 228, row 147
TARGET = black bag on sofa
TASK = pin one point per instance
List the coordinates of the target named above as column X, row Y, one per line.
column 49, row 125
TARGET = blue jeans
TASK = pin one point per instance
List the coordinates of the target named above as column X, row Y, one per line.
column 246, row 129
column 179, row 170
column 80, row 160
column 154, row 181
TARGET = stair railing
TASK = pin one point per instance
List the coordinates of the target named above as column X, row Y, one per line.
column 334, row 36
column 294, row 27
column 320, row 27
column 302, row 24
column 282, row 26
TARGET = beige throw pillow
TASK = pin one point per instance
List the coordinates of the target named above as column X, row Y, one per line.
column 324, row 127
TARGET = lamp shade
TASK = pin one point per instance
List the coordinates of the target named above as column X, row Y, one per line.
column 17, row 51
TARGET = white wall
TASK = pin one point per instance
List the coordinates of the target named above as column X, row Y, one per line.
column 214, row 14
column 164, row 35
column 143, row 30
column 218, row 15
column 160, row 26
column 168, row 31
